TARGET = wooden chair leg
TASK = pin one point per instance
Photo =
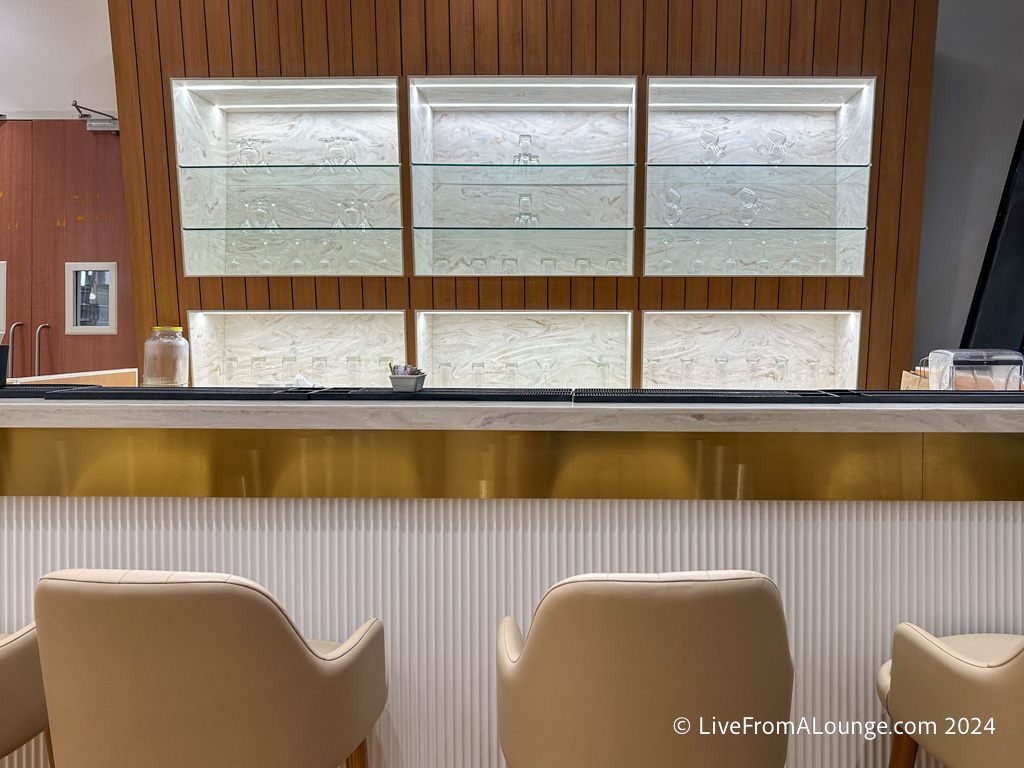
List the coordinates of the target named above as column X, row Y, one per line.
column 49, row 747
column 904, row 752
column 358, row 758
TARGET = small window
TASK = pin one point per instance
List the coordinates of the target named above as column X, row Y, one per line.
column 90, row 290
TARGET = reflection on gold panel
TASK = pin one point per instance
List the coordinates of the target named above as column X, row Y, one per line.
column 491, row 464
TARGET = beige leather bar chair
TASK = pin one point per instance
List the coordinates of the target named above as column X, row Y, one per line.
column 172, row 669
column 22, row 704
column 960, row 677
column 613, row 660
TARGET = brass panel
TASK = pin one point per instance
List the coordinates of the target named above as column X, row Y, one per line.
column 974, row 467
column 460, row 464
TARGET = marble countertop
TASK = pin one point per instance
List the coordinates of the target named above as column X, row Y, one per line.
column 554, row 417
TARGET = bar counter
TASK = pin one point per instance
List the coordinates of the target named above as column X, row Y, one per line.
column 803, row 449
column 440, row 518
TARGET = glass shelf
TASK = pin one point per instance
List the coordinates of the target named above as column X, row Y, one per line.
column 754, row 252
column 296, row 175
column 292, row 252
column 512, row 251
column 525, row 175
column 722, row 173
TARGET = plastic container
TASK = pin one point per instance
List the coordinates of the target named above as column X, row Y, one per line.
column 165, row 358
column 975, row 369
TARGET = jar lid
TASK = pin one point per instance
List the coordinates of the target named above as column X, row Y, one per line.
column 177, row 328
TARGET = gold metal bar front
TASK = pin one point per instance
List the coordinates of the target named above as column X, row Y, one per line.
column 491, row 464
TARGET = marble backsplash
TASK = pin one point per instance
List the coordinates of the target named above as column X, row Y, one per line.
column 524, row 348
column 331, row 348
column 750, row 350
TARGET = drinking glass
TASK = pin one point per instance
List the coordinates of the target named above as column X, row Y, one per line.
column 230, row 371
column 478, row 374
column 444, row 374
column 512, row 373
column 258, row 215
column 297, row 265
column 354, row 368
column 327, row 164
column 319, row 370
column 753, row 372
column 823, row 266
column 653, row 366
column 384, row 363
column 761, row 266
column 289, row 368
column 711, row 150
column 261, row 152
column 545, row 372
column 525, row 155
column 547, row 266
column 794, row 265
column 670, row 209
column 526, row 217
column 721, row 372
column 442, row 266
column 247, row 222
column 352, row 216
column 478, row 266
column 614, row 266
column 603, row 375
column 266, row 265
column 583, row 265
column 750, row 205
column 234, row 266
column 812, row 373
column 324, row 265
column 509, row 265
column 730, row 265
column 697, row 264
column 260, row 371
column 686, row 373
column 248, row 152
column 781, row 366
column 272, row 224
column 339, row 222
column 774, row 147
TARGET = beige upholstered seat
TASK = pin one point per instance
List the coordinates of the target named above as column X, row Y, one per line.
column 612, row 660
column 171, row 669
column 963, row 676
column 22, row 704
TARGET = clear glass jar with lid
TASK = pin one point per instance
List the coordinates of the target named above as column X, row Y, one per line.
column 165, row 358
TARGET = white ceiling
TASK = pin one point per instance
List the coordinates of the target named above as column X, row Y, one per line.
column 53, row 51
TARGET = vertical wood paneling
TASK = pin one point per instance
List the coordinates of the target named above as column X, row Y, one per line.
column 440, row 574
column 16, row 226
column 122, row 33
column 890, row 181
column 559, row 37
column 535, row 37
column 510, row 37
column 911, row 201
column 158, row 39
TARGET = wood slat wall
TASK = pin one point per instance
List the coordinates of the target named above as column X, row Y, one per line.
column 892, row 40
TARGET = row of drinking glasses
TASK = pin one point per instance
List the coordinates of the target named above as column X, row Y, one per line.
column 511, row 373
column 749, row 372
column 675, row 256
column 250, row 152
column 510, row 265
column 285, row 371
column 749, row 202
column 352, row 213
column 355, row 256
column 773, row 147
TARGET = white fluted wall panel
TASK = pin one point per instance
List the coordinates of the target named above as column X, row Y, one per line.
column 441, row 574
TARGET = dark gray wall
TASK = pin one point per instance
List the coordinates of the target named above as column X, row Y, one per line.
column 977, row 108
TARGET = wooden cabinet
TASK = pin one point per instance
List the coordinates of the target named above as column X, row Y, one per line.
column 61, row 200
